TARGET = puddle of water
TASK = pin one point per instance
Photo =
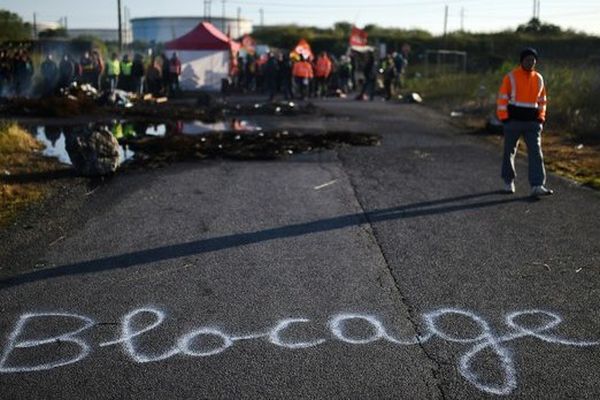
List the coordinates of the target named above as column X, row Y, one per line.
column 53, row 137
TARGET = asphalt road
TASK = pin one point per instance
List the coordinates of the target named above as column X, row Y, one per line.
column 396, row 271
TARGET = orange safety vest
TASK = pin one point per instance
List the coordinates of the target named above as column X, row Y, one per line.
column 302, row 69
column 524, row 90
column 323, row 68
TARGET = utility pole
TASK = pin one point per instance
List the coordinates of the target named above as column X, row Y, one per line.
column 262, row 17
column 239, row 22
column 462, row 19
column 120, row 27
column 126, row 26
column 34, row 26
column 66, row 23
column 223, row 9
column 207, row 6
column 536, row 9
column 446, row 20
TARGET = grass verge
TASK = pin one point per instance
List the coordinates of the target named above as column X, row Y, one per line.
column 19, row 158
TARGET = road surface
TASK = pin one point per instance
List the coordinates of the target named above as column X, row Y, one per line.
column 396, row 271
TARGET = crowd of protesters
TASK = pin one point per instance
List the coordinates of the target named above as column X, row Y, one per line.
column 158, row 75
column 290, row 76
column 325, row 75
column 16, row 72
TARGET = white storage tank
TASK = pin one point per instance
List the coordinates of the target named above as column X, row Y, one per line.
column 165, row 29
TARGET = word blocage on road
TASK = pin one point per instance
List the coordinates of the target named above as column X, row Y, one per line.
column 187, row 344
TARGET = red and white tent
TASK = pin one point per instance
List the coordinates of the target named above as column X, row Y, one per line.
column 205, row 53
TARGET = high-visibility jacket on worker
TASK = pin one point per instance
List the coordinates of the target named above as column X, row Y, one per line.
column 323, row 67
column 113, row 68
column 126, row 68
column 303, row 69
column 522, row 96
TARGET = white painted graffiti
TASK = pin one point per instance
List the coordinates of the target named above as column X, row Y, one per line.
column 188, row 344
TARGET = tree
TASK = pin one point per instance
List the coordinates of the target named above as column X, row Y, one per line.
column 12, row 27
column 536, row 26
column 342, row 28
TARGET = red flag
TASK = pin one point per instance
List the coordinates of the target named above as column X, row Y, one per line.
column 358, row 37
column 303, row 49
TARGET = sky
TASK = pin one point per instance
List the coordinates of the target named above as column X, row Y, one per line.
column 473, row 15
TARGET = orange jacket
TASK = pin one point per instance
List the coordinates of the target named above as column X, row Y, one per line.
column 323, row 67
column 522, row 91
column 302, row 69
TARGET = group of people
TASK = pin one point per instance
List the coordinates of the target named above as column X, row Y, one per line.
column 304, row 76
column 16, row 72
column 159, row 76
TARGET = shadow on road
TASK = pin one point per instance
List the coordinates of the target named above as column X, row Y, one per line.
column 425, row 208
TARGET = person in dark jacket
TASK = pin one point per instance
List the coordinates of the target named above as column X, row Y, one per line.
column 66, row 71
column 370, row 72
column 285, row 76
column 5, row 73
column 87, row 68
column 174, row 73
column 137, row 74
column 153, row 77
column 49, row 71
column 98, row 64
column 165, row 74
column 271, row 70
column 388, row 68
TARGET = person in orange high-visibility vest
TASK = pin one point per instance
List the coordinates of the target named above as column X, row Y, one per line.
column 303, row 74
column 521, row 106
column 323, row 69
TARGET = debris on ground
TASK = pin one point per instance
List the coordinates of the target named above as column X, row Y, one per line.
column 80, row 100
column 413, row 98
column 270, row 108
column 233, row 145
column 93, row 152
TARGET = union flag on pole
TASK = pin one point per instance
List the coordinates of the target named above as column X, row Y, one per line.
column 302, row 49
column 358, row 37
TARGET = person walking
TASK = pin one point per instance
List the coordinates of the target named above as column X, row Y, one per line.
column 521, row 106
